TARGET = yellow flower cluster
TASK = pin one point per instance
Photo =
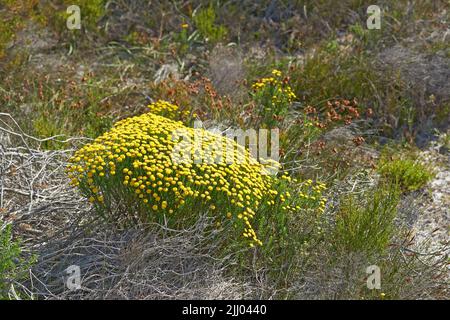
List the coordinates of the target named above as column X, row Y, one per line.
column 309, row 195
column 315, row 194
column 291, row 95
column 163, row 108
column 273, row 96
column 280, row 87
column 261, row 83
column 276, row 73
column 136, row 157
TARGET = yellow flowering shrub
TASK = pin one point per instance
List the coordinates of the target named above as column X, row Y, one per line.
column 133, row 163
column 142, row 167
column 273, row 96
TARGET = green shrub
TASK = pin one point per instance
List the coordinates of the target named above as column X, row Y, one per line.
column 366, row 224
column 205, row 22
column 52, row 111
column 409, row 174
column 14, row 15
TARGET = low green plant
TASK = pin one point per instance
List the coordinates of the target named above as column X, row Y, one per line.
column 13, row 266
column 133, row 165
column 299, row 135
column 13, row 17
column 366, row 38
column 6, row 33
column 332, row 72
column 410, row 174
column 205, row 22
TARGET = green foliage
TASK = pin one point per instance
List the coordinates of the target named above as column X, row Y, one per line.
column 205, row 22
column 442, row 113
column 411, row 175
column 92, row 10
column 185, row 40
column 366, row 224
column 45, row 127
column 13, row 16
column 7, row 30
column 135, row 165
column 12, row 266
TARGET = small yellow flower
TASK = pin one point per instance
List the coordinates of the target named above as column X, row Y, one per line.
column 276, row 72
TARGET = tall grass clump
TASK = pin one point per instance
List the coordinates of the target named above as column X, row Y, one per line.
column 367, row 225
